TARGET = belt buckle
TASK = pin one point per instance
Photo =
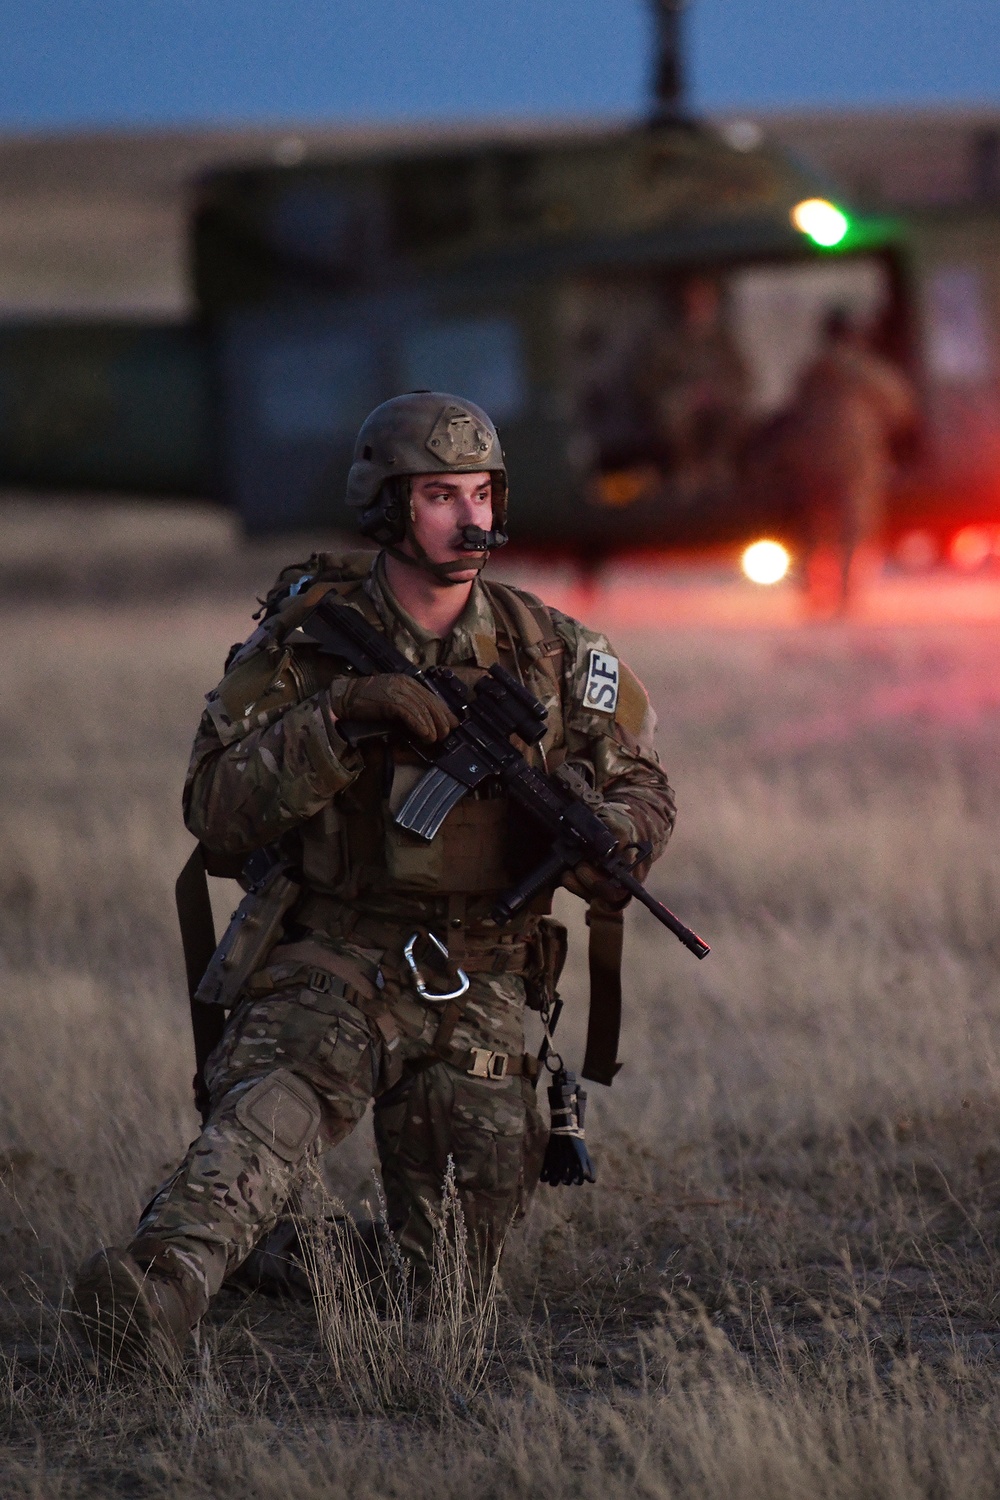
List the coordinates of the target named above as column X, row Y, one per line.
column 487, row 1064
column 322, row 982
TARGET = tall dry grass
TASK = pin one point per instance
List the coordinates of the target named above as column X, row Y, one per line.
column 785, row 1281
column 395, row 1347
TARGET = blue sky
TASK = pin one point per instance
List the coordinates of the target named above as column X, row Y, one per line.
column 111, row 62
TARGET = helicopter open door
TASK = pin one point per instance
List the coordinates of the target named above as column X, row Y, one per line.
column 675, row 374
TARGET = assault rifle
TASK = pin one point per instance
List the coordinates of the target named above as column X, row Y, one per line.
column 480, row 747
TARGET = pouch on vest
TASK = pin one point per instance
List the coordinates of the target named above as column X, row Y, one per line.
column 468, row 854
column 547, row 949
column 325, row 859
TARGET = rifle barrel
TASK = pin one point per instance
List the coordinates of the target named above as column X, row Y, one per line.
column 691, row 940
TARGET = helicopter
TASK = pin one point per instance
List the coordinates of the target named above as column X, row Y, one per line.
column 627, row 303
column 618, row 302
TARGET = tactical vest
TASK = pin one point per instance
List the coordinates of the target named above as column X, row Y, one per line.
column 353, row 849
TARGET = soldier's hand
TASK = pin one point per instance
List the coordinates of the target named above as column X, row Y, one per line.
column 389, row 697
column 583, row 880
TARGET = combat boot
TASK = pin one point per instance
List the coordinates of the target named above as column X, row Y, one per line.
column 131, row 1316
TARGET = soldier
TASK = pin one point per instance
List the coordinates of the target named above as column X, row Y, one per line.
column 835, row 455
column 336, row 1015
column 693, row 383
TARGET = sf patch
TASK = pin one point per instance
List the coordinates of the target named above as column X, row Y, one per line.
column 601, row 692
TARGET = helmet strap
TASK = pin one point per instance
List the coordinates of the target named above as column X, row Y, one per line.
column 442, row 572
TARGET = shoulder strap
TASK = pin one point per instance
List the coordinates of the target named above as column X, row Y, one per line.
column 529, row 624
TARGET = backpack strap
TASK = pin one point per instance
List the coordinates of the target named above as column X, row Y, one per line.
column 529, row 626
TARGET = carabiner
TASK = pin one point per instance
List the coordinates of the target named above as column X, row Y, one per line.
column 421, row 988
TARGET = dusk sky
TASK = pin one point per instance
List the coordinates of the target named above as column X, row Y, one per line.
column 112, row 62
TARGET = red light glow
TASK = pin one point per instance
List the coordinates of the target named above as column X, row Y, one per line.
column 917, row 550
column 973, row 546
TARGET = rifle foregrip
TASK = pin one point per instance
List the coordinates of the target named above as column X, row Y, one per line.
column 547, row 873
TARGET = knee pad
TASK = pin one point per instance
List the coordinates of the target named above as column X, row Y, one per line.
column 283, row 1112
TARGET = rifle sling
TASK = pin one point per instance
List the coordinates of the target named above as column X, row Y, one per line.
column 194, row 914
column 600, row 1063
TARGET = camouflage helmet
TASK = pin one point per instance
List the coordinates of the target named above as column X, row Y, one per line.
column 423, row 432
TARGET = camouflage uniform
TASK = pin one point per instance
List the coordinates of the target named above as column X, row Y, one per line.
column 334, row 1020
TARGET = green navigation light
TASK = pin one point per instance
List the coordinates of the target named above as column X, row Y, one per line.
column 821, row 221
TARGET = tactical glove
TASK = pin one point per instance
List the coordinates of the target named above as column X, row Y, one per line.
column 389, row 697
column 583, row 880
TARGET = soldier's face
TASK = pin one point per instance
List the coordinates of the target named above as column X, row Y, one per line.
column 441, row 505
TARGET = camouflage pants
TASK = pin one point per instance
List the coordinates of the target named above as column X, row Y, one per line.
column 295, row 1072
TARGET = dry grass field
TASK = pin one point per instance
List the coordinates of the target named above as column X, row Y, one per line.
column 786, row 1282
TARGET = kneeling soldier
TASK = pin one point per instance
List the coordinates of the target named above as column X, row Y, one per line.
column 346, row 1007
